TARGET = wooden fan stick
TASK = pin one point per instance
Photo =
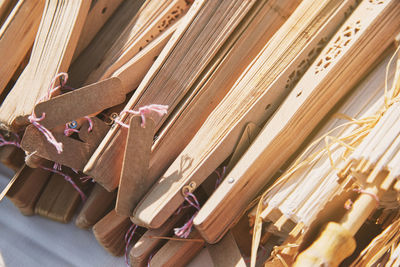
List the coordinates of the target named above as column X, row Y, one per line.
column 59, row 199
column 93, row 54
column 6, row 6
column 152, row 240
column 88, row 100
column 99, row 13
column 164, row 19
column 12, row 157
column 226, row 253
column 165, row 72
column 25, row 191
column 19, row 28
column 98, row 204
column 55, row 42
column 177, row 253
column 110, row 232
column 246, row 102
column 136, row 165
column 301, row 112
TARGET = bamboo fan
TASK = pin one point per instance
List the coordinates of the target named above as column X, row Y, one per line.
column 54, row 41
column 300, row 196
column 237, row 51
column 94, row 52
column 369, row 165
column 19, row 28
column 170, row 72
column 246, row 102
column 341, row 60
column 152, row 19
column 99, row 13
column 82, row 102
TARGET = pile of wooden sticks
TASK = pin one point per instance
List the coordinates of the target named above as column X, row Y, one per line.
column 172, row 126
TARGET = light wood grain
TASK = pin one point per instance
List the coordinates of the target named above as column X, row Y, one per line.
column 54, row 45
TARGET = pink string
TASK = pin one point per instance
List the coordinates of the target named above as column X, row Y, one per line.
column 4, row 142
column 221, row 176
column 68, row 131
column 186, row 229
column 35, row 120
column 49, row 136
column 90, row 123
column 66, row 177
column 182, row 207
column 161, row 110
column 361, row 191
column 128, row 237
column 149, row 260
column 85, row 179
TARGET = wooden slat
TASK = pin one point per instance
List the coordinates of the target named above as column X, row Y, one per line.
column 102, row 42
column 177, row 253
column 99, row 13
column 18, row 33
column 98, row 204
column 26, row 190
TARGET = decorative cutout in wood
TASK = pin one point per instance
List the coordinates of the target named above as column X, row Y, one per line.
column 295, row 76
column 342, row 41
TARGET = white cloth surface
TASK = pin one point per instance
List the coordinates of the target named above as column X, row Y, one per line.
column 35, row 241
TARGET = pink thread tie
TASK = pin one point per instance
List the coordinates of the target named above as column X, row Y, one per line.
column 69, row 131
column 90, row 123
column 149, row 260
column 66, row 177
column 186, row 229
column 85, row 179
column 161, row 110
column 128, row 238
column 362, row 191
column 35, row 120
column 4, row 142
